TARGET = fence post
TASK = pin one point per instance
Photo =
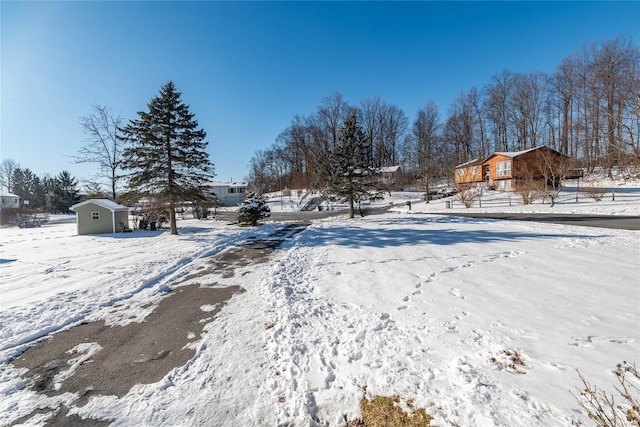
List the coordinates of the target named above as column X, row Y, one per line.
column 613, row 195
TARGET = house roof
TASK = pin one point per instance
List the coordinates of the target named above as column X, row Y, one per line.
column 226, row 184
column 513, row 154
column 470, row 163
column 389, row 169
column 6, row 194
column 105, row 203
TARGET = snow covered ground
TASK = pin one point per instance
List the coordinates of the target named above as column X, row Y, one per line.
column 432, row 308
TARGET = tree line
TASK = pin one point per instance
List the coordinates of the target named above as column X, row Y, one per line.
column 47, row 194
column 588, row 109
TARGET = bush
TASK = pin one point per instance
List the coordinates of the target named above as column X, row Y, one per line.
column 253, row 209
column 595, row 193
column 530, row 191
column 601, row 407
column 386, row 412
column 467, row 196
column 23, row 217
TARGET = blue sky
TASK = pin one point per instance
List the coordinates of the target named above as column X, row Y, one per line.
column 246, row 68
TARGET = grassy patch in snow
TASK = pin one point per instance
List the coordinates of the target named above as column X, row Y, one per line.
column 387, row 412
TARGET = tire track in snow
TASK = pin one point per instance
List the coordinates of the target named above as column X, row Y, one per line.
column 15, row 343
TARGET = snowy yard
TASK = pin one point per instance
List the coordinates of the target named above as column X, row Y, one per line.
column 431, row 308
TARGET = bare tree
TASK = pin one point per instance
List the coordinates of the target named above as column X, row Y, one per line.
column 525, row 107
column 498, row 95
column 7, row 168
column 104, row 146
column 553, row 167
column 426, row 134
column 475, row 101
column 459, row 128
column 563, row 85
column 330, row 115
column 370, row 109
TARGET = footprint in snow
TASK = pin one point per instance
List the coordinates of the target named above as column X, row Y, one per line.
column 450, row 327
column 431, row 277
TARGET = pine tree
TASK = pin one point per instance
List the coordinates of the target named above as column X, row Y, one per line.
column 167, row 154
column 346, row 171
column 29, row 187
column 63, row 193
column 253, row 209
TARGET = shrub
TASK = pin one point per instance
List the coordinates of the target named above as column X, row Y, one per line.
column 386, row 412
column 530, row 191
column 253, row 209
column 595, row 193
column 467, row 196
column 23, row 217
column 602, row 408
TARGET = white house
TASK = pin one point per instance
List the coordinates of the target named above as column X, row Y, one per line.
column 228, row 193
column 8, row 200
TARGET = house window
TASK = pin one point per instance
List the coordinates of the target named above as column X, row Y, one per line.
column 95, row 215
column 504, row 184
column 240, row 190
column 503, row 168
column 460, row 172
column 231, row 190
column 474, row 170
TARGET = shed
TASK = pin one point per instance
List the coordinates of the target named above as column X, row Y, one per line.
column 101, row 216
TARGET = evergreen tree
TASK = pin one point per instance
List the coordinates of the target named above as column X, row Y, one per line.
column 253, row 209
column 63, row 193
column 167, row 156
column 345, row 170
column 29, row 187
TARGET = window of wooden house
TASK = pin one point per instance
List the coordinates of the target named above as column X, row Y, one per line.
column 95, row 215
column 503, row 168
column 504, row 184
column 474, row 170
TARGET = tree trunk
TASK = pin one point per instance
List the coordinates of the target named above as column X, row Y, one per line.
column 351, row 208
column 172, row 219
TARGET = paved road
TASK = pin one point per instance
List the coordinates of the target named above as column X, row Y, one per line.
column 626, row 222
column 300, row 216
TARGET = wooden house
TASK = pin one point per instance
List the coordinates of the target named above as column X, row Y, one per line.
column 101, row 216
column 469, row 173
column 505, row 170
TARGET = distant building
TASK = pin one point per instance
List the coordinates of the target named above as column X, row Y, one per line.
column 389, row 175
column 228, row 193
column 8, row 200
column 100, row 216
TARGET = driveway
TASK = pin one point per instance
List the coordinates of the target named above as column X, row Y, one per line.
column 96, row 359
